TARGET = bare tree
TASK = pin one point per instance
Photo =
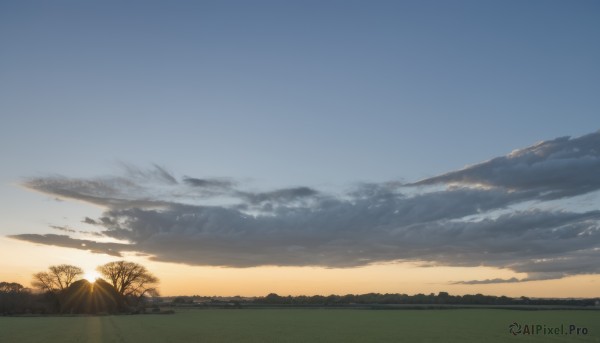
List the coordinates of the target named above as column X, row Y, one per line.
column 130, row 279
column 11, row 287
column 57, row 277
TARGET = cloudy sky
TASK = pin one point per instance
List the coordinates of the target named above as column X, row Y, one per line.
column 305, row 147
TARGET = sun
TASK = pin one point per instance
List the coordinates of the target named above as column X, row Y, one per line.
column 91, row 276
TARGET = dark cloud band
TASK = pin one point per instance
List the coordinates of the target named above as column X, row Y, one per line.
column 481, row 215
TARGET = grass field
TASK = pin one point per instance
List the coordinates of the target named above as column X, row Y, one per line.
column 301, row 325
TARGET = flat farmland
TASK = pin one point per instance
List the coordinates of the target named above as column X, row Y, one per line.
column 309, row 325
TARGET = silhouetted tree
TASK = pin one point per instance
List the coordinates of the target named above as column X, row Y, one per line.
column 130, row 279
column 57, row 278
column 14, row 298
column 11, row 287
column 92, row 298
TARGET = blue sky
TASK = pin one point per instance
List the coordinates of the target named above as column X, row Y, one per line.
column 292, row 91
column 280, row 94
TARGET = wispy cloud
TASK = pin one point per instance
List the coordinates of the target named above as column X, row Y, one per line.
column 210, row 183
column 487, row 281
column 113, row 249
column 62, row 228
column 471, row 217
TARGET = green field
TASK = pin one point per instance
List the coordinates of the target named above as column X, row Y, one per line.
column 301, row 325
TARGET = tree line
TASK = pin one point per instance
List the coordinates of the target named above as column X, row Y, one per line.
column 123, row 287
column 349, row 300
column 442, row 298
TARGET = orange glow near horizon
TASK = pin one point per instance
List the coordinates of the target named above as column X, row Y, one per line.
column 19, row 260
column 389, row 278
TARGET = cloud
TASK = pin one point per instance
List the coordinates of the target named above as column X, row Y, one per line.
column 113, row 249
column 350, row 235
column 531, row 277
column 487, row 281
column 88, row 220
column 108, row 192
column 281, row 195
column 488, row 214
column 156, row 173
column 557, row 168
column 209, row 183
column 62, row 228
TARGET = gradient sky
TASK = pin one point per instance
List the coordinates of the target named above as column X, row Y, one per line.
column 298, row 133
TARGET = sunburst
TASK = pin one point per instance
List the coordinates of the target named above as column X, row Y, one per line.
column 91, row 276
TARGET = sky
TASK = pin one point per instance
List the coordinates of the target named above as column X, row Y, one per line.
column 305, row 147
